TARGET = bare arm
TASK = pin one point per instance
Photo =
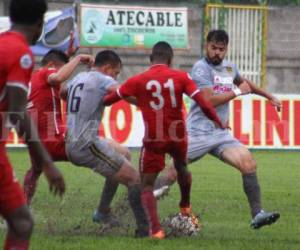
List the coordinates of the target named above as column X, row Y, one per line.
column 220, row 99
column 65, row 71
column 259, row 91
column 22, row 122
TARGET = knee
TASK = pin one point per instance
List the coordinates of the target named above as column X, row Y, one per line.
column 22, row 226
column 248, row 165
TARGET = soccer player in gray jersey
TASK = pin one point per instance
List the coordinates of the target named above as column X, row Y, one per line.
column 83, row 145
column 221, row 82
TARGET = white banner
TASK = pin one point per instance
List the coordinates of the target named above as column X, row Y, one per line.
column 254, row 121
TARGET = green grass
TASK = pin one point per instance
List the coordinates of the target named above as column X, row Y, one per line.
column 217, row 196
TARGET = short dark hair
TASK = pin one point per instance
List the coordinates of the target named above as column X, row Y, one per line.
column 107, row 57
column 27, row 12
column 218, row 36
column 162, row 51
column 55, row 55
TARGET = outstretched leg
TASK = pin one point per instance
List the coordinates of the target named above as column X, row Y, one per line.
column 241, row 158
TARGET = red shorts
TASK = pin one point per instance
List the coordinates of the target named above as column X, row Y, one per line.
column 11, row 193
column 152, row 157
column 55, row 147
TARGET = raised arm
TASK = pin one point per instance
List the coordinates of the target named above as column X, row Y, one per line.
column 65, row 71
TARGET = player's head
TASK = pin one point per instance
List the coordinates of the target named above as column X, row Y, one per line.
column 55, row 58
column 216, row 46
column 109, row 63
column 162, row 52
column 29, row 15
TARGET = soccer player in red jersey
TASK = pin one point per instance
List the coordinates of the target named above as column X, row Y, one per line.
column 158, row 92
column 44, row 107
column 15, row 69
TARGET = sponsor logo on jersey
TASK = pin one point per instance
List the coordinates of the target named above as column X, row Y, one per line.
column 223, row 79
column 229, row 69
column 26, row 61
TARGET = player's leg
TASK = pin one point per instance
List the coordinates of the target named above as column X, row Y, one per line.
column 128, row 176
column 20, row 226
column 178, row 151
column 13, row 208
column 240, row 158
column 103, row 211
column 150, row 165
column 104, row 159
column 56, row 149
column 197, row 147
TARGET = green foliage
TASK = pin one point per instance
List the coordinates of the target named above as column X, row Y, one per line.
column 217, row 196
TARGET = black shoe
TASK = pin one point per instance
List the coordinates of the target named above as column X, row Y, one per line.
column 141, row 233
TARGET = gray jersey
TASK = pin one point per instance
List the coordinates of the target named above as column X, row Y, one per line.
column 220, row 78
column 85, row 106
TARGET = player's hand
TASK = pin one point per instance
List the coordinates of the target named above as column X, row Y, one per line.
column 245, row 88
column 55, row 179
column 71, row 51
column 87, row 59
column 276, row 103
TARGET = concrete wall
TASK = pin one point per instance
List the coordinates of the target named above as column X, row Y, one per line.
column 283, row 46
column 283, row 50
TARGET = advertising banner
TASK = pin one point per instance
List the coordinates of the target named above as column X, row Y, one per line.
column 132, row 26
column 254, row 121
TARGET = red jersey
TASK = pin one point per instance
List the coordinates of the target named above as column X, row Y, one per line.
column 159, row 92
column 16, row 65
column 44, row 104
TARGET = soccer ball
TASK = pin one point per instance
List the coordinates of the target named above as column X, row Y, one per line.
column 183, row 225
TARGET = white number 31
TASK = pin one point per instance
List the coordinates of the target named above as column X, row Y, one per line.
column 157, row 93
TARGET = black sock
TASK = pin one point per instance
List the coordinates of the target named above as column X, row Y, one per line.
column 109, row 190
column 134, row 197
column 252, row 190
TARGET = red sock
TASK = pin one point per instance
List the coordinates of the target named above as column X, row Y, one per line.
column 185, row 183
column 149, row 204
column 12, row 244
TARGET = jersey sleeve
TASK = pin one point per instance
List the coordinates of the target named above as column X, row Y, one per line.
column 128, row 88
column 106, row 83
column 190, row 87
column 20, row 69
column 201, row 75
column 48, row 72
column 236, row 72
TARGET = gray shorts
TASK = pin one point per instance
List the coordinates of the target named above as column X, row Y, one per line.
column 98, row 155
column 213, row 143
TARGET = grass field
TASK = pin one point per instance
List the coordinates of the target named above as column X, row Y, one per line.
column 216, row 195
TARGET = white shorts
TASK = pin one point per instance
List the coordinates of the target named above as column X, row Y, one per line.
column 98, row 155
column 213, row 143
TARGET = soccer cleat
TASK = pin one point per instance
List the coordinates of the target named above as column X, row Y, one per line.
column 139, row 233
column 160, row 235
column 108, row 218
column 161, row 192
column 264, row 218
